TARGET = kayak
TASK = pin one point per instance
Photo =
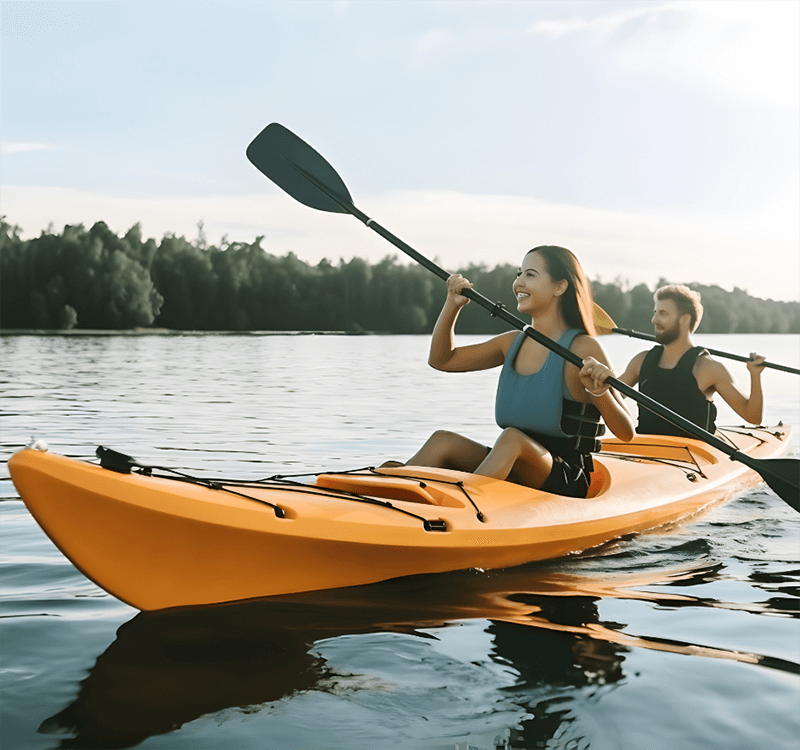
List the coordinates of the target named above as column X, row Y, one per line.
column 157, row 541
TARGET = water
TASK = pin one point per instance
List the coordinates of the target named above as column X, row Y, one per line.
column 685, row 637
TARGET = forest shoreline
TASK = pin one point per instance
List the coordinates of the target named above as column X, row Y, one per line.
column 91, row 280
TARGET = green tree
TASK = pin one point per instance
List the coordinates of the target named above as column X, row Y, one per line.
column 97, row 279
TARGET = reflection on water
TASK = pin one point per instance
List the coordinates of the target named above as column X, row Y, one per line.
column 684, row 637
column 168, row 668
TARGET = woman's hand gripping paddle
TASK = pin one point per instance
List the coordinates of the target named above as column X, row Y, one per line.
column 304, row 174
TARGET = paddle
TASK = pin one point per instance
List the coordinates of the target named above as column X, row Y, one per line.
column 305, row 175
column 604, row 324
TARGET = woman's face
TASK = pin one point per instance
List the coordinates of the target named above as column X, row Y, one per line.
column 534, row 288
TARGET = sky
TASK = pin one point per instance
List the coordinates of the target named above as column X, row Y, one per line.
column 654, row 139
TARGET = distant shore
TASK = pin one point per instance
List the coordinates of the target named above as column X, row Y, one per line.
column 88, row 282
column 172, row 332
column 169, row 332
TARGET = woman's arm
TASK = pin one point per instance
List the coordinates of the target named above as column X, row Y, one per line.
column 596, row 365
column 445, row 355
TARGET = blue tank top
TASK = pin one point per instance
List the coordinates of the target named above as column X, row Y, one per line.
column 534, row 403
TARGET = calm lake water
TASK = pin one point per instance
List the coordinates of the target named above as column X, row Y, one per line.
column 685, row 637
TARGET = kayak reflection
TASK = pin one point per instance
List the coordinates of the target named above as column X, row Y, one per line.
column 170, row 667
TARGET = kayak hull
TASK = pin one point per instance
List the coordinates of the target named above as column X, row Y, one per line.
column 157, row 543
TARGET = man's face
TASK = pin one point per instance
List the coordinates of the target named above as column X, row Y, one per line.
column 666, row 321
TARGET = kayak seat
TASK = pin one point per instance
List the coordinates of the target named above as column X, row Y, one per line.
column 390, row 488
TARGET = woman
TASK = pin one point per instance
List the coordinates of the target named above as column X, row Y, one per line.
column 549, row 411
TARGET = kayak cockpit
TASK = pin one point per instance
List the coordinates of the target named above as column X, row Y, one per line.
column 599, row 480
column 427, row 490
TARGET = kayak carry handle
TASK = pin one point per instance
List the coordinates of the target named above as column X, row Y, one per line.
column 116, row 461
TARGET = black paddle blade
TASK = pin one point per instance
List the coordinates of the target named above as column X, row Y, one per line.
column 298, row 169
column 783, row 477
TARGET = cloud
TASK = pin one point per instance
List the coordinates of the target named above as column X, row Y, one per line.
column 754, row 251
column 652, row 17
column 16, row 148
column 742, row 49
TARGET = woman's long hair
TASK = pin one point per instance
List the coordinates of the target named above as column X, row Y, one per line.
column 577, row 301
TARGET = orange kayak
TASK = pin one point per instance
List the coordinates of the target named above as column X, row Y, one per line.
column 155, row 542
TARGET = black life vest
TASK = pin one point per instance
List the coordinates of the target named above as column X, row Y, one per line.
column 582, row 425
column 676, row 389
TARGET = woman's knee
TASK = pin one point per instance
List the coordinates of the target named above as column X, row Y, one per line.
column 444, row 435
column 513, row 441
column 440, row 444
column 441, row 439
column 511, row 437
column 452, row 451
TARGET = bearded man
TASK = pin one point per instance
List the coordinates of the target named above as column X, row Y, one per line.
column 684, row 377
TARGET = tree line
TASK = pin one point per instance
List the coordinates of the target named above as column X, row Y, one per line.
column 95, row 279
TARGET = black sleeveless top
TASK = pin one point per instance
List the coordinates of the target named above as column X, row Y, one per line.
column 677, row 390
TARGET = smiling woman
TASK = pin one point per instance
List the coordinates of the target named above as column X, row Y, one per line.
column 549, row 410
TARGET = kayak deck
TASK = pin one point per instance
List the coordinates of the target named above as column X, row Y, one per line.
column 155, row 542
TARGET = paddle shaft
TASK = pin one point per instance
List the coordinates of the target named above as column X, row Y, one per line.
column 717, row 352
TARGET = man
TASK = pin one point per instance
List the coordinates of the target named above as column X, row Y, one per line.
column 684, row 377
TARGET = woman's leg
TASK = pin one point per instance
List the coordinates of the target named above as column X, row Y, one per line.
column 449, row 450
column 518, row 458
